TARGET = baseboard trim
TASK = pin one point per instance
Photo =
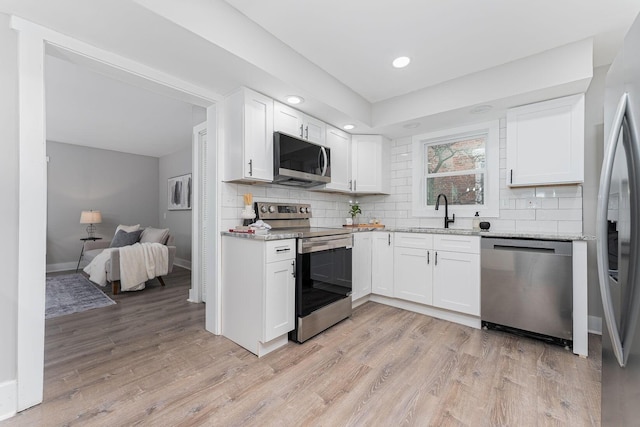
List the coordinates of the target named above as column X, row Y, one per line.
column 63, row 266
column 8, row 399
column 184, row 263
column 595, row 325
column 459, row 318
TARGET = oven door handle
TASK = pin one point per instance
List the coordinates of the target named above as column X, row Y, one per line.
column 310, row 245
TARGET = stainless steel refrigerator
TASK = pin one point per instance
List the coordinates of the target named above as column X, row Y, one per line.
column 618, row 238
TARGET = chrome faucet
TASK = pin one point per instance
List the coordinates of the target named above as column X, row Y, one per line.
column 447, row 221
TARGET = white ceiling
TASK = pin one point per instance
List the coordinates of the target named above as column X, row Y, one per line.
column 90, row 109
column 336, row 54
column 356, row 40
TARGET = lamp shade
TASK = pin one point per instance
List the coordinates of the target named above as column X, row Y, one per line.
column 90, row 217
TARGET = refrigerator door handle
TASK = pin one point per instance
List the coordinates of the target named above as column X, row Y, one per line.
column 602, row 229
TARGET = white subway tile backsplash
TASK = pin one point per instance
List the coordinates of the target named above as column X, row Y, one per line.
column 559, row 214
column 559, row 191
column 503, row 225
column 570, row 227
column 518, row 214
column 537, row 226
column 570, row 203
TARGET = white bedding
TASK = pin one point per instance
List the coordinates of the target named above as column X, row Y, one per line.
column 138, row 263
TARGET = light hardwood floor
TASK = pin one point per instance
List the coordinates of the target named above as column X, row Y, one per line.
column 149, row 361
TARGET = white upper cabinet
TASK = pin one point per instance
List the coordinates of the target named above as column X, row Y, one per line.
column 248, row 137
column 371, row 164
column 339, row 144
column 298, row 124
column 545, row 142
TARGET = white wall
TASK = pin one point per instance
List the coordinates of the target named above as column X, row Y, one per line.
column 179, row 222
column 9, row 195
column 124, row 187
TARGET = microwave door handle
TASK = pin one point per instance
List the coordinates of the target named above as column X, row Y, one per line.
column 602, row 230
column 324, row 155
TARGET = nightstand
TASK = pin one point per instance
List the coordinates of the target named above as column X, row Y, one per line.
column 85, row 239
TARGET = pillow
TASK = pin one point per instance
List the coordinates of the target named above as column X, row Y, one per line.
column 154, row 235
column 122, row 238
column 128, row 228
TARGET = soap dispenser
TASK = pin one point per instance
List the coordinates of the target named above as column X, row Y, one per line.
column 476, row 222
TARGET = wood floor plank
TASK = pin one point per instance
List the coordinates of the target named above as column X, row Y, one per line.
column 148, row 361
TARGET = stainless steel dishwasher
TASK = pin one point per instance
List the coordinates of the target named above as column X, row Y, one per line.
column 527, row 287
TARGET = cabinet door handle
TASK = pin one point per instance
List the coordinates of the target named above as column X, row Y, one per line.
column 436, row 263
column 428, row 257
column 250, row 167
column 283, row 250
column 301, row 127
column 389, row 238
column 306, row 132
column 354, row 185
column 293, row 270
column 350, row 184
column 510, row 176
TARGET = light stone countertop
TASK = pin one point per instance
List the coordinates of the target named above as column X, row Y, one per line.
column 467, row 232
column 275, row 235
column 279, row 235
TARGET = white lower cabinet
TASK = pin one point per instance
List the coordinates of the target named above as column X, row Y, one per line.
column 361, row 265
column 456, row 282
column 413, row 275
column 382, row 263
column 279, row 300
column 258, row 302
column 438, row 270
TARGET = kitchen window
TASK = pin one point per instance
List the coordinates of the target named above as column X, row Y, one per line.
column 462, row 164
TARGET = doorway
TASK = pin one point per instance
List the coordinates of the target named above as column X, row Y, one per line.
column 33, row 43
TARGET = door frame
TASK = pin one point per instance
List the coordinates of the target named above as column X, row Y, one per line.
column 33, row 43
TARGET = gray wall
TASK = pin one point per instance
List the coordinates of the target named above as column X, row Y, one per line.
column 124, row 187
column 179, row 222
column 593, row 153
column 9, row 197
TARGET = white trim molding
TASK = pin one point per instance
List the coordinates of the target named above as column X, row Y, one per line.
column 8, row 396
column 33, row 41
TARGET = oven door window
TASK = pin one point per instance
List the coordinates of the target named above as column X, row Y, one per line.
column 323, row 278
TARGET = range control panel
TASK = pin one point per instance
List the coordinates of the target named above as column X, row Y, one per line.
column 268, row 210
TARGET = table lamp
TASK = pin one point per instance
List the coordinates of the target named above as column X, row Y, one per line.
column 90, row 217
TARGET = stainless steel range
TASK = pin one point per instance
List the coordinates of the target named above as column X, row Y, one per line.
column 323, row 267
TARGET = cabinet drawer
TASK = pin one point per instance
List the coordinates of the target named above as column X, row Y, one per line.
column 414, row 240
column 279, row 250
column 457, row 243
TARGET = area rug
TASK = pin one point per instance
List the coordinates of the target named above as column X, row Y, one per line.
column 72, row 293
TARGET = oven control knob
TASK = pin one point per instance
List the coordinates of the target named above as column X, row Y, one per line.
column 301, row 209
column 263, row 209
column 272, row 209
column 307, row 210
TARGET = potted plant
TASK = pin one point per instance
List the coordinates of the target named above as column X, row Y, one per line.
column 354, row 211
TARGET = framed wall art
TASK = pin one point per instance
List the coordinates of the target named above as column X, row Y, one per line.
column 179, row 194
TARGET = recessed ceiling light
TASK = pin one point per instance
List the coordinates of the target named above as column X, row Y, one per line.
column 348, row 127
column 401, row 61
column 411, row 125
column 294, row 99
column 480, row 109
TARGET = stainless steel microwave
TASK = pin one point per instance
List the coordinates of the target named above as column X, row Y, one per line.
column 300, row 163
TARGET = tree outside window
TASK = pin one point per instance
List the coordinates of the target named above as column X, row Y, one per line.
column 456, row 168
